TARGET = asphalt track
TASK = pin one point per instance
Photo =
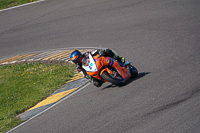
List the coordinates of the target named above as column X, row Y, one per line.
column 161, row 38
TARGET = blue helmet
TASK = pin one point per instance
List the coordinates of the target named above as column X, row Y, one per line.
column 76, row 57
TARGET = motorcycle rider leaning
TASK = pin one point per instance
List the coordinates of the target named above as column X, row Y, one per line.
column 77, row 57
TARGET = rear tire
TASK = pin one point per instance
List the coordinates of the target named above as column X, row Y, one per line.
column 110, row 79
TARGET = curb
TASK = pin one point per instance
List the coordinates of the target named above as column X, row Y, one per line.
column 55, row 55
column 51, row 56
column 53, row 98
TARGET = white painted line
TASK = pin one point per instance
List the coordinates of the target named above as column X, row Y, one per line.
column 4, row 63
column 50, row 107
column 13, row 62
column 21, row 5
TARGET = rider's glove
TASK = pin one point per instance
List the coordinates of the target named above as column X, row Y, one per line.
column 78, row 67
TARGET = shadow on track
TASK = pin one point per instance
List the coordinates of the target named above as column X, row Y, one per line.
column 140, row 75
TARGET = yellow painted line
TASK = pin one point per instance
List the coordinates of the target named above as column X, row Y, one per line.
column 27, row 55
column 54, row 98
column 16, row 58
column 60, row 55
column 76, row 77
column 52, row 55
column 63, row 54
column 9, row 59
column 57, row 55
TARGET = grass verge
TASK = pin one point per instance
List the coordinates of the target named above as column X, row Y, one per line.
column 10, row 3
column 24, row 85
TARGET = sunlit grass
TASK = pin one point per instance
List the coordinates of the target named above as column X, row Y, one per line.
column 10, row 3
column 24, row 85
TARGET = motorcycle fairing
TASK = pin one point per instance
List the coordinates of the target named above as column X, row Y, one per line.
column 111, row 62
column 97, row 63
column 92, row 67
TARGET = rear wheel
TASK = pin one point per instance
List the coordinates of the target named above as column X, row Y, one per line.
column 113, row 80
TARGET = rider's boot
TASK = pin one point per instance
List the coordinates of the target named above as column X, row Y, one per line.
column 120, row 59
column 110, row 53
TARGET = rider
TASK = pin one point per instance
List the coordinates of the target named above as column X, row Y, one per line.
column 77, row 57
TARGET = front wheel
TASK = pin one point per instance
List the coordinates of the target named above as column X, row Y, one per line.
column 134, row 71
column 110, row 79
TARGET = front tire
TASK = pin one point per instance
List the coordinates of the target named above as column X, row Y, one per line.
column 110, row 79
column 134, row 71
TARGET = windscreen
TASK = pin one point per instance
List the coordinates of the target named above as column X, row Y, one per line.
column 86, row 61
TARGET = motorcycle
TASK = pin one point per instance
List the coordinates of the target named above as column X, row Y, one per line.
column 107, row 69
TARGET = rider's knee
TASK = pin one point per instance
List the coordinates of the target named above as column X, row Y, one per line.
column 96, row 82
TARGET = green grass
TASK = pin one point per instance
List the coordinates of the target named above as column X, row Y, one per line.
column 24, row 85
column 10, row 3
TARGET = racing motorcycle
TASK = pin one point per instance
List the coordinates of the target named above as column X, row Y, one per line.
column 107, row 69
